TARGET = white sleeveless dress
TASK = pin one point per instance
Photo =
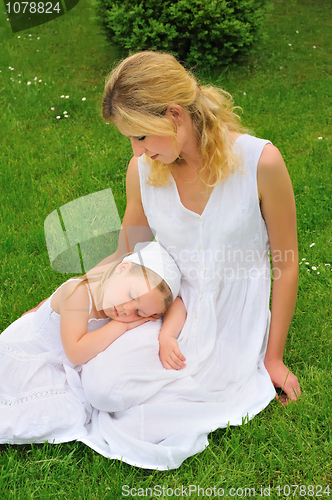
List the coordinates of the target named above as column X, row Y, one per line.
column 155, row 418
column 41, row 396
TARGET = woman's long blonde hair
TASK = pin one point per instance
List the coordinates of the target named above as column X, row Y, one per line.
column 138, row 93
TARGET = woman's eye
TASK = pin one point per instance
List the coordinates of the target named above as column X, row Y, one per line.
column 141, row 138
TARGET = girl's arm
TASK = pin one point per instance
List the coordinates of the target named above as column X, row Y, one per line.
column 278, row 209
column 169, row 352
column 79, row 345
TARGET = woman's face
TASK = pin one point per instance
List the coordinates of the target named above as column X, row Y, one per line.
column 128, row 297
column 156, row 147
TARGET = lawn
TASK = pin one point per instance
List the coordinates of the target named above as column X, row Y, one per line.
column 285, row 92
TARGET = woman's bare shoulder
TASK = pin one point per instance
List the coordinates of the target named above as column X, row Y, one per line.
column 270, row 158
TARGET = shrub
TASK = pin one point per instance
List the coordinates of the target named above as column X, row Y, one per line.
column 204, row 33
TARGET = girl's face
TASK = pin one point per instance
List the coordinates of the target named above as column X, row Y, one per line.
column 128, row 297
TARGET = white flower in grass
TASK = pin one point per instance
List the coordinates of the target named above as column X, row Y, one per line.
column 19, row 37
column 244, row 93
column 320, row 138
column 38, row 38
column 29, row 83
column 307, row 263
column 296, row 31
column 58, row 117
column 66, row 116
column 318, row 272
column 35, row 78
column 40, row 81
column 314, row 268
column 303, row 258
column 19, row 81
column 65, row 112
column 314, row 47
column 52, row 109
column 327, row 264
column 312, row 244
column 83, row 98
column 290, row 44
column 67, row 96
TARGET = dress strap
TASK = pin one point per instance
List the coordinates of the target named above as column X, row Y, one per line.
column 90, row 298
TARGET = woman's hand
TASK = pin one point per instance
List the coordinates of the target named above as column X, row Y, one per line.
column 284, row 379
column 170, row 354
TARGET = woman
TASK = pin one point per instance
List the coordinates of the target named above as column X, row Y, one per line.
column 217, row 200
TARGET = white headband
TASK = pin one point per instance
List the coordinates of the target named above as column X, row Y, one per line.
column 154, row 256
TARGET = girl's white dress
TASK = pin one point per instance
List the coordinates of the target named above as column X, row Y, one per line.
column 41, row 396
column 156, row 418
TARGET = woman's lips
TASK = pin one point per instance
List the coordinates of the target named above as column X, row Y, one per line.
column 116, row 311
column 153, row 157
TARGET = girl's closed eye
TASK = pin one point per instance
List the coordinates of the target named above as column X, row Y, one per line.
column 141, row 138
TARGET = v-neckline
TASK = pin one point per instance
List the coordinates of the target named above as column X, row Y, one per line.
column 211, row 194
column 188, row 209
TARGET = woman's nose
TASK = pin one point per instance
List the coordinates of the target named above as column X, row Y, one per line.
column 138, row 149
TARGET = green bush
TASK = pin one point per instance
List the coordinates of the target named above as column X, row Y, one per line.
column 204, row 33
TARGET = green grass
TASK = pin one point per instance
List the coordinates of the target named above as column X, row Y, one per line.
column 285, row 93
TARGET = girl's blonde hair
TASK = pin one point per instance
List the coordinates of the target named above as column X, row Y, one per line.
column 137, row 95
column 153, row 279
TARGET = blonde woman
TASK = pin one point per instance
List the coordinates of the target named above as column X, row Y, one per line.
column 218, row 200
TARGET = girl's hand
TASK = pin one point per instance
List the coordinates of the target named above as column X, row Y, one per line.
column 170, row 354
column 284, row 379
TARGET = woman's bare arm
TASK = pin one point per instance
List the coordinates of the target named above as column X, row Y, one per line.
column 278, row 209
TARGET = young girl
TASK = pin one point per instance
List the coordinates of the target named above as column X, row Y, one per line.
column 218, row 200
column 41, row 396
